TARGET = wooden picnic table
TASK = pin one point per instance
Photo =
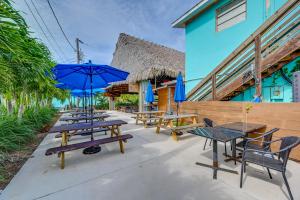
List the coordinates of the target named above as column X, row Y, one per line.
column 166, row 122
column 81, row 118
column 145, row 116
column 64, row 129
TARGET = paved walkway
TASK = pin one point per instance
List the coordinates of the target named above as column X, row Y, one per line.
column 154, row 167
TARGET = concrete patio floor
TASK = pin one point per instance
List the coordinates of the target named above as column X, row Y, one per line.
column 154, row 167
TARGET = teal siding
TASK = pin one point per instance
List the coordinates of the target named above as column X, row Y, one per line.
column 206, row 48
column 269, row 86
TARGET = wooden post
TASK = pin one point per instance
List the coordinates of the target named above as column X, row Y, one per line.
column 112, row 131
column 258, row 81
column 62, row 154
column 120, row 140
column 159, row 125
column 213, row 84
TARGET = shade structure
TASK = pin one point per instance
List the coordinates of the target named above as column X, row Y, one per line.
column 87, row 75
column 149, row 94
column 179, row 95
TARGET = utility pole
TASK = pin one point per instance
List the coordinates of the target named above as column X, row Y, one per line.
column 78, row 41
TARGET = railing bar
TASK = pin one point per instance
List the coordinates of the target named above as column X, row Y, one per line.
column 240, row 71
column 224, row 82
column 281, row 35
column 270, row 34
column 246, row 56
column 240, row 65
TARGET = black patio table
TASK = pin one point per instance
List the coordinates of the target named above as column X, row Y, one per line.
column 80, row 118
column 221, row 135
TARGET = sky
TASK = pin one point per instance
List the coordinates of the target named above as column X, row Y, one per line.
column 98, row 24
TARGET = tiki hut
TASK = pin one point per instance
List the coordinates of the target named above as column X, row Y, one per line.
column 144, row 61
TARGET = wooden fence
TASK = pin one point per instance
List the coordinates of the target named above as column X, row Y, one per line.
column 285, row 116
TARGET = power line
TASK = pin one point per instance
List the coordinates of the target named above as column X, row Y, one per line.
column 50, row 33
column 67, row 39
column 39, row 25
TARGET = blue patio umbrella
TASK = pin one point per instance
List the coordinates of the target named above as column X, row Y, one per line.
column 179, row 95
column 88, row 76
column 149, row 94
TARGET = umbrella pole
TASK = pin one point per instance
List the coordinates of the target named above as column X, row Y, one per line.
column 85, row 108
column 177, row 114
column 93, row 149
column 92, row 112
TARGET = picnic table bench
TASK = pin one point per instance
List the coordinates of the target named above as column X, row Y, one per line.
column 113, row 125
column 87, row 144
column 166, row 122
column 147, row 116
column 178, row 130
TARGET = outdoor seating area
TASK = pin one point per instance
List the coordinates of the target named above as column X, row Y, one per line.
column 168, row 167
column 205, row 105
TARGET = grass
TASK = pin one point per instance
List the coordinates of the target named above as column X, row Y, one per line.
column 18, row 135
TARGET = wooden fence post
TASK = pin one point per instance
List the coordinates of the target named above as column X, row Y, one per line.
column 258, row 81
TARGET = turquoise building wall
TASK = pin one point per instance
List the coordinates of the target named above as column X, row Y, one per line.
column 206, row 48
column 270, row 88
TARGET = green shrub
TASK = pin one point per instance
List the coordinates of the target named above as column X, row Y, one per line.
column 101, row 102
column 15, row 133
column 37, row 118
column 127, row 100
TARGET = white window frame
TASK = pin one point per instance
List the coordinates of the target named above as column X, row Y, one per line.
column 221, row 11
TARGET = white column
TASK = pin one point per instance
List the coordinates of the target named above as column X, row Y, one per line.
column 111, row 103
column 142, row 94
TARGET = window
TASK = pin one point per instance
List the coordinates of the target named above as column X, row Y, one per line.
column 230, row 14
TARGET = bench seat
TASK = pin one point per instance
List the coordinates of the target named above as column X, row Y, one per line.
column 190, row 126
column 82, row 145
column 179, row 130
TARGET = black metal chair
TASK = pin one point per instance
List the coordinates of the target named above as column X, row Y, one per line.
column 263, row 145
column 268, row 159
column 210, row 123
column 207, row 123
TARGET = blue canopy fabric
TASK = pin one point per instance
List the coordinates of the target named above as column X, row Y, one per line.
column 87, row 75
column 179, row 95
column 149, row 94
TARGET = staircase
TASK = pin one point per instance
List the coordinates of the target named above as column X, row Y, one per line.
column 274, row 44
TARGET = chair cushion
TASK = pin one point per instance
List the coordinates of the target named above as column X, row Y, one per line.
column 263, row 160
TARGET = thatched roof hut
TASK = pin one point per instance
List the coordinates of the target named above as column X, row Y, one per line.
column 145, row 60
